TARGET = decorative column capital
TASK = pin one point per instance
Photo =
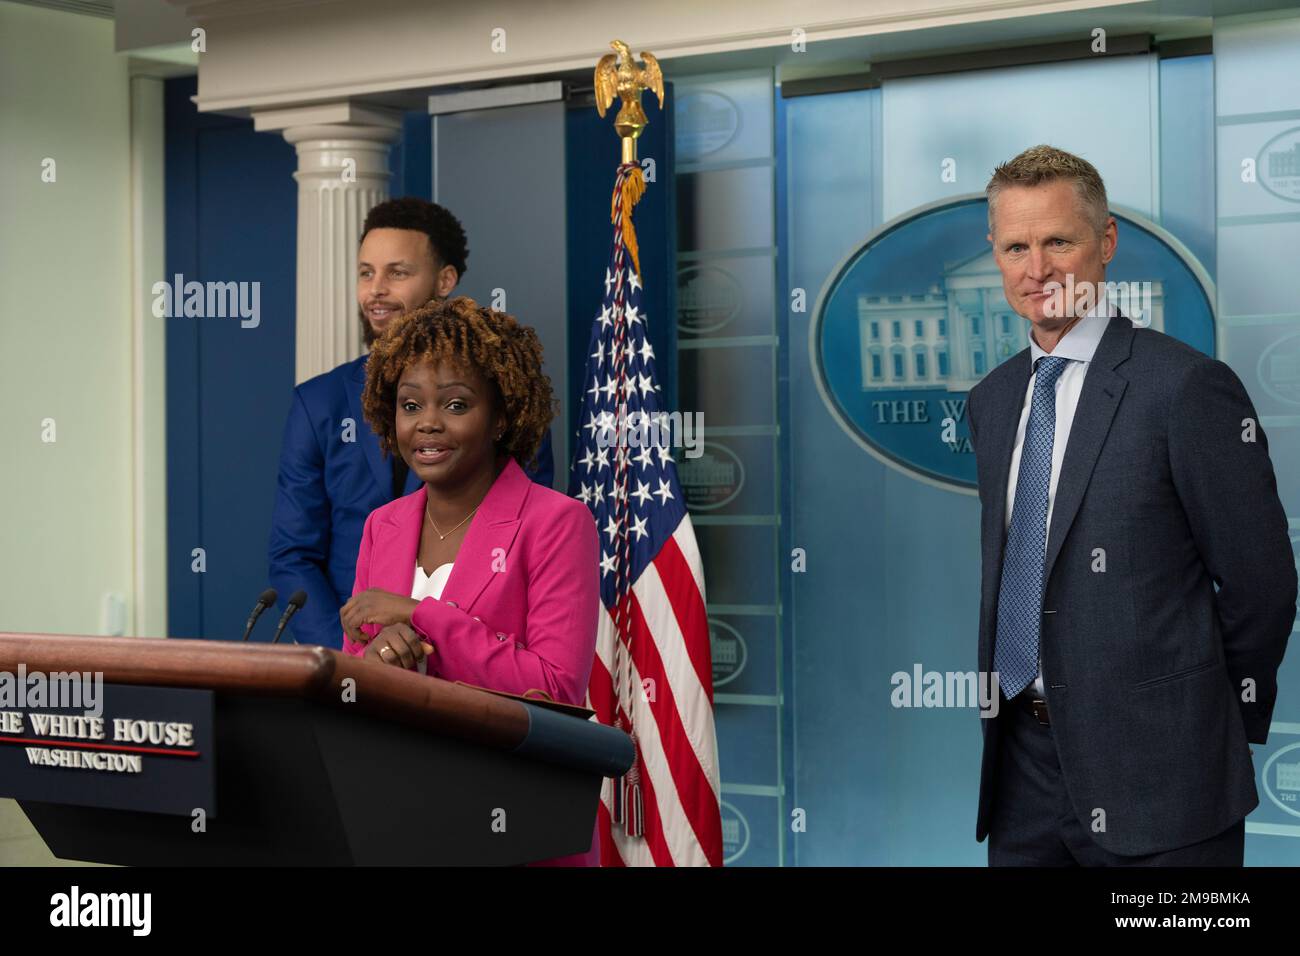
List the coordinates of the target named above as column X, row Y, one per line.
column 325, row 150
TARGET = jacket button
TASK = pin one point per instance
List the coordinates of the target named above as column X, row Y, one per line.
column 477, row 618
column 452, row 604
column 500, row 636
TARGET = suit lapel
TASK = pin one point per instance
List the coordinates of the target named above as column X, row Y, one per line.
column 381, row 469
column 1007, row 405
column 1000, row 425
column 396, row 544
column 1102, row 391
column 485, row 551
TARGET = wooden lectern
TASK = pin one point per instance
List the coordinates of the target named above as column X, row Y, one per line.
column 318, row 758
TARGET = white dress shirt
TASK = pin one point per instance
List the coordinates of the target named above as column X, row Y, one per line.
column 1078, row 345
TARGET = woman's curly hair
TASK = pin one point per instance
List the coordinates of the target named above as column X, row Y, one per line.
column 463, row 333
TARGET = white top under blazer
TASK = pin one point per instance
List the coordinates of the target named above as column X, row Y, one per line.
column 429, row 585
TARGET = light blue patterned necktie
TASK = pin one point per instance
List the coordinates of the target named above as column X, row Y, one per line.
column 1020, row 596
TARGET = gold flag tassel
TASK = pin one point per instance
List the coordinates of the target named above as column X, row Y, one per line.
column 622, row 201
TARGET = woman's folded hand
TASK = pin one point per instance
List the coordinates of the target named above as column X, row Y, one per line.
column 400, row 645
column 374, row 606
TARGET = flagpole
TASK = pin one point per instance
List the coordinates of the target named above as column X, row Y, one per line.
column 653, row 658
column 617, row 76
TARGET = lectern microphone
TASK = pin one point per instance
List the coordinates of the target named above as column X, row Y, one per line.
column 266, row 600
column 296, row 600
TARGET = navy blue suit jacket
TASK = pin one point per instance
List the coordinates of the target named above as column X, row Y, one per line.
column 326, row 488
column 1169, row 589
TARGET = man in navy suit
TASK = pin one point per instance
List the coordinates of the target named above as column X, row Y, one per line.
column 1138, row 580
column 332, row 471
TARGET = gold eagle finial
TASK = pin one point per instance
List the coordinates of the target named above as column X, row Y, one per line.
column 618, row 76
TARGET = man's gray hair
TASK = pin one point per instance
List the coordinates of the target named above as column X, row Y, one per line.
column 1046, row 164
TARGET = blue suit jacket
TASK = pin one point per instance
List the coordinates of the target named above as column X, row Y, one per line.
column 1168, row 583
column 326, row 488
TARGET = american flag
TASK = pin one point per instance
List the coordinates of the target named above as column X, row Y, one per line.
column 653, row 670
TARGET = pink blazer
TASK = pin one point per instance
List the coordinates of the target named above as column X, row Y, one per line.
column 519, row 610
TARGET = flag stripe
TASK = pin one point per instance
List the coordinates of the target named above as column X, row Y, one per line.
column 692, row 706
column 656, row 834
column 684, row 536
column 693, row 784
column 655, row 840
column 600, row 689
column 688, row 609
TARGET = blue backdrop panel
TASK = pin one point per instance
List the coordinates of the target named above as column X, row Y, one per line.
column 893, row 561
column 231, row 215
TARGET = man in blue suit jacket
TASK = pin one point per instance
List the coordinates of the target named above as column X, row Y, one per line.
column 332, row 471
column 1138, row 581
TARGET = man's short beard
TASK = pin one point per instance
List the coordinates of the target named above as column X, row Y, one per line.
column 368, row 333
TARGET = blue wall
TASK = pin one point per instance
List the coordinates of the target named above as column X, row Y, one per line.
column 231, row 215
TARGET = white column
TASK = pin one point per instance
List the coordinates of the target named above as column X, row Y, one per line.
column 342, row 173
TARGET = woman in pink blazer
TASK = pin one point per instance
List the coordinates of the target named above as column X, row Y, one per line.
column 481, row 575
